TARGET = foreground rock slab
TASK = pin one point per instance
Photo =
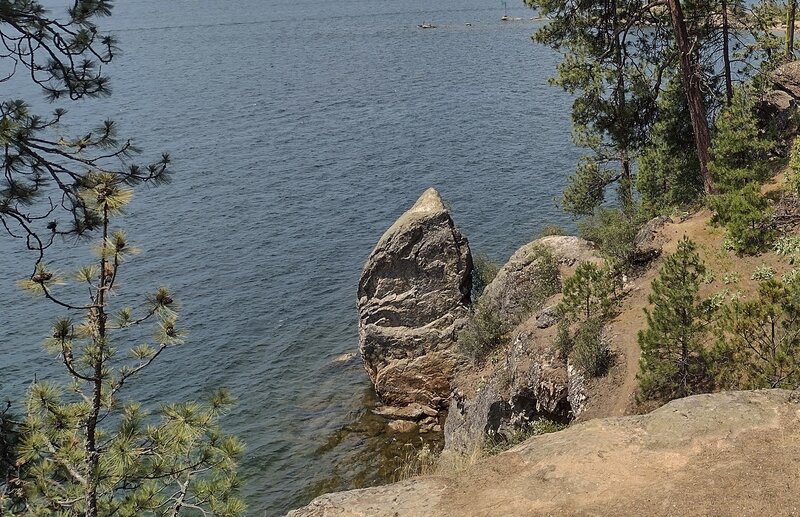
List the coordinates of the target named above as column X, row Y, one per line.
column 726, row 454
column 413, row 298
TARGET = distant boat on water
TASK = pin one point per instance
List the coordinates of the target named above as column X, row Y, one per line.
column 426, row 26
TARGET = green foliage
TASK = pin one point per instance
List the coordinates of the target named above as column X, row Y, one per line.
column 589, row 351
column 551, row 229
column 614, row 233
column 483, row 272
column 668, row 173
column 605, row 68
column 672, row 363
column 793, row 174
column 485, row 331
column 563, row 340
column 63, row 56
column 537, row 427
column 763, row 272
column 84, row 448
column 788, row 247
column 749, row 218
column 759, row 339
column 740, row 150
column 589, row 293
column 544, row 279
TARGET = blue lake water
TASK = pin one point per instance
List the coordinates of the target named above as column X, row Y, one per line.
column 299, row 131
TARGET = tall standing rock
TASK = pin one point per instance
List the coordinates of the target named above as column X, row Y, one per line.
column 413, row 298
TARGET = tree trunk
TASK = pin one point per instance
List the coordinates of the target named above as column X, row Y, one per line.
column 726, row 57
column 690, row 78
column 792, row 11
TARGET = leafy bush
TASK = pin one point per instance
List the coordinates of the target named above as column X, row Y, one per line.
column 563, row 340
column 551, row 229
column 484, row 269
column 589, row 293
column 793, row 176
column 763, row 272
column 485, row 331
column 590, row 352
column 544, row 277
column 748, row 216
column 614, row 233
column 788, row 247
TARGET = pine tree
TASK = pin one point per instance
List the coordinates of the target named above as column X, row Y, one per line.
column 64, row 57
column 672, row 362
column 84, row 448
column 589, row 293
column 759, row 339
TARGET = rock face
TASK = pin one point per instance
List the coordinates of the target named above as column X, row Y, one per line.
column 413, row 297
column 728, row 454
column 647, row 242
column 777, row 108
column 514, row 282
column 531, row 381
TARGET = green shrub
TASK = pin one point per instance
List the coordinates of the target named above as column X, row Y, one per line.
column 793, row 174
column 485, row 331
column 589, row 293
column 740, row 150
column 563, row 340
column 589, row 352
column 763, row 272
column 545, row 279
column 614, row 233
column 484, row 269
column 748, row 217
column 551, row 229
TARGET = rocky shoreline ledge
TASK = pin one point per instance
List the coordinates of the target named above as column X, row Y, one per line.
column 730, row 453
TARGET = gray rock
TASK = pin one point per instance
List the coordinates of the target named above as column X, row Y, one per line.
column 776, row 110
column 787, row 78
column 512, row 289
column 647, row 242
column 413, row 298
column 532, row 383
column 547, row 317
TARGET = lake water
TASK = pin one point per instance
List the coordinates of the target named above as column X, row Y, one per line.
column 300, row 131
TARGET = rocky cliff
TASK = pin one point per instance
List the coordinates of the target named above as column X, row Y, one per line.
column 413, row 298
column 725, row 454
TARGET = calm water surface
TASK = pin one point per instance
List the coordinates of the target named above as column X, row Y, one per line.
column 300, row 130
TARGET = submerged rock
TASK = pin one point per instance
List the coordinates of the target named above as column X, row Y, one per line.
column 413, row 298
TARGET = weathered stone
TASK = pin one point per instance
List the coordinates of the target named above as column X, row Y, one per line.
column 532, row 383
column 403, row 426
column 413, row 411
column 413, row 298
column 518, row 281
column 647, row 243
column 787, row 78
column 547, row 317
column 729, row 453
column 775, row 110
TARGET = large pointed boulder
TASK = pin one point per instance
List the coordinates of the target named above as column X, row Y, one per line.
column 413, row 298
